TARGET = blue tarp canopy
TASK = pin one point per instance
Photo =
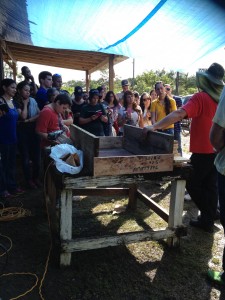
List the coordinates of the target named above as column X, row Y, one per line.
column 174, row 34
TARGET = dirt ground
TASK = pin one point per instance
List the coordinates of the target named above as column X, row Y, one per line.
column 145, row 270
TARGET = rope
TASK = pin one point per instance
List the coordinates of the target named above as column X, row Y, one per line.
column 28, row 291
column 12, row 213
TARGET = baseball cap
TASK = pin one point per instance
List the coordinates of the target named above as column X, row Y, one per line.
column 124, row 82
column 93, row 92
column 78, row 91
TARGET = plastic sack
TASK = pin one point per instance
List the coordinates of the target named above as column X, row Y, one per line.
column 61, row 150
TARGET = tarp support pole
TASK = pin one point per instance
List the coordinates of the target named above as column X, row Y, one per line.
column 111, row 72
column 14, row 71
column 87, row 79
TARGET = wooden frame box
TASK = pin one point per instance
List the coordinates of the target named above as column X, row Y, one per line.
column 130, row 154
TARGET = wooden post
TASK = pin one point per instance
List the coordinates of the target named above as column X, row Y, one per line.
column 65, row 224
column 87, row 79
column 14, row 71
column 176, row 208
column 132, row 203
column 111, row 72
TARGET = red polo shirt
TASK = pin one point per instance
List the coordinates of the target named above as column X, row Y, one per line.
column 201, row 108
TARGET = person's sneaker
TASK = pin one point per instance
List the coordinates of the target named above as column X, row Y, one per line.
column 200, row 225
column 187, row 197
column 216, row 276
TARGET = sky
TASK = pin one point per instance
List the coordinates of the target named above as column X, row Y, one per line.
column 124, row 69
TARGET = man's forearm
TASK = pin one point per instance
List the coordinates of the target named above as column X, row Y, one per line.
column 217, row 137
column 172, row 118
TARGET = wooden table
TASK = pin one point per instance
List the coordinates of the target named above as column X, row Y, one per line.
column 118, row 175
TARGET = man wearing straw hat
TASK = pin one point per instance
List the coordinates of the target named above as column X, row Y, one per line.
column 202, row 184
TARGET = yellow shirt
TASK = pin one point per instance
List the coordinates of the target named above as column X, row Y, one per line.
column 159, row 110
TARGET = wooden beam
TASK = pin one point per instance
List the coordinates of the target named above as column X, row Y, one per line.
column 153, row 205
column 66, row 223
column 81, row 244
column 100, row 65
column 102, row 192
column 132, row 164
column 7, row 51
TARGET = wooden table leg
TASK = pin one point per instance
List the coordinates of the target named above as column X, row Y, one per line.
column 65, row 224
column 132, row 202
column 176, row 208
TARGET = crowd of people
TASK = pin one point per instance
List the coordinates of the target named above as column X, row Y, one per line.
column 28, row 114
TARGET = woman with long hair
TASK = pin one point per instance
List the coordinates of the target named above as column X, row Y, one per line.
column 161, row 107
column 8, row 140
column 145, row 103
column 129, row 114
column 28, row 139
column 112, row 106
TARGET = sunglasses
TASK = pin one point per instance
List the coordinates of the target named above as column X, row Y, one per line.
column 168, row 89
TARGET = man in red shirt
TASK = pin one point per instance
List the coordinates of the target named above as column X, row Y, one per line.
column 50, row 119
column 202, row 185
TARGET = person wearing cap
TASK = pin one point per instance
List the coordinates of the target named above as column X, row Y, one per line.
column 77, row 104
column 93, row 115
column 125, row 87
column 202, row 184
column 101, row 93
column 57, row 83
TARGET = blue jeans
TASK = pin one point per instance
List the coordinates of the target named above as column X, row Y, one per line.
column 8, row 167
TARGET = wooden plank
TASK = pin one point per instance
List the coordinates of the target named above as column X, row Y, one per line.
column 102, row 181
column 153, row 205
column 154, row 142
column 66, row 223
column 114, row 152
column 176, row 208
column 102, row 192
column 89, row 144
column 110, row 142
column 132, row 164
column 81, row 244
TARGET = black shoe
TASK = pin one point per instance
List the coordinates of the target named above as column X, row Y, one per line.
column 200, row 225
